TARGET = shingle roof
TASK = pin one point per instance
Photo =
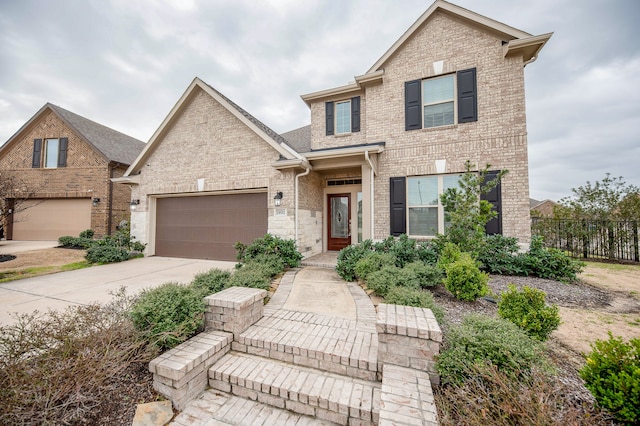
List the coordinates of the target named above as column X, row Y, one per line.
column 299, row 139
column 114, row 145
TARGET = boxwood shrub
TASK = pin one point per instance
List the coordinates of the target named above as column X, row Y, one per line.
column 527, row 309
column 414, row 297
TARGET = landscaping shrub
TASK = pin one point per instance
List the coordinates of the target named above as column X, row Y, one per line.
column 426, row 275
column 106, row 254
column 349, row 256
column 69, row 367
column 499, row 255
column 383, row 280
column 480, row 340
column 612, row 374
column 169, row 314
column 272, row 264
column 428, row 252
column 465, row 280
column 87, row 233
column 527, row 309
column 372, row 262
column 211, row 282
column 550, row 263
column 404, row 250
column 270, row 244
column 74, row 242
column 252, row 275
column 414, row 297
column 449, row 254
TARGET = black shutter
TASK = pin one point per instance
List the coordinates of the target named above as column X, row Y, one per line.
column 413, row 105
column 329, row 117
column 62, row 152
column 398, row 205
column 494, row 226
column 467, row 96
column 37, row 153
column 355, row 114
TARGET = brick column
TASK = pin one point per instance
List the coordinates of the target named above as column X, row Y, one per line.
column 234, row 309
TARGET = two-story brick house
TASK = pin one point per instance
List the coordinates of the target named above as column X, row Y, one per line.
column 373, row 162
column 64, row 164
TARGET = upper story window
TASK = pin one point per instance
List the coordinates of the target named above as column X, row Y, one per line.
column 50, row 154
column 342, row 117
column 441, row 101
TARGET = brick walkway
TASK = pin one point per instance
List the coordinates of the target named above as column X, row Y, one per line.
column 293, row 367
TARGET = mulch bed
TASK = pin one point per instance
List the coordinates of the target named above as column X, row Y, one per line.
column 6, row 257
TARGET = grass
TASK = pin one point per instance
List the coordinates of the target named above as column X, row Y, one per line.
column 20, row 274
column 614, row 266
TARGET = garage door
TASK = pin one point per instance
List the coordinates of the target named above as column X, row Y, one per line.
column 207, row 227
column 50, row 219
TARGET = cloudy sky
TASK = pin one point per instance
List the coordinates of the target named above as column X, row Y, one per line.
column 125, row 63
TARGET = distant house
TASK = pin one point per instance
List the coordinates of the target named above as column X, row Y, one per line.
column 542, row 208
column 373, row 162
column 66, row 162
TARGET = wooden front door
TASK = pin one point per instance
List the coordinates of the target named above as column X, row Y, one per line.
column 339, row 221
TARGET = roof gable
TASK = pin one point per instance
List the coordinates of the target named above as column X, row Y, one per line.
column 110, row 144
column 263, row 131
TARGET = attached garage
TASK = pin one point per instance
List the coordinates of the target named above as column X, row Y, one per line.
column 49, row 219
column 207, row 227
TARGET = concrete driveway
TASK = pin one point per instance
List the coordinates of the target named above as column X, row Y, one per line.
column 85, row 286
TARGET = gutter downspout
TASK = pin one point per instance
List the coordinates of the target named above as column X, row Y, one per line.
column 297, row 184
column 366, row 156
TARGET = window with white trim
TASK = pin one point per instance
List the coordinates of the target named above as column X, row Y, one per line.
column 438, row 101
column 343, row 117
column 424, row 209
column 51, row 150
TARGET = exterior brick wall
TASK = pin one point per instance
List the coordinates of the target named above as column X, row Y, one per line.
column 498, row 137
column 86, row 175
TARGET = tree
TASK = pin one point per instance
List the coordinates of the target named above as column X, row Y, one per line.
column 608, row 199
column 14, row 194
column 465, row 211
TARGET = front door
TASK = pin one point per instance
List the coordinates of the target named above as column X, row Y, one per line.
column 339, row 223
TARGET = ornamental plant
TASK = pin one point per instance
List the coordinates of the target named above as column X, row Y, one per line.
column 527, row 309
column 465, row 280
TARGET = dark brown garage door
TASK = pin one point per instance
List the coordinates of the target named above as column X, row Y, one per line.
column 207, row 227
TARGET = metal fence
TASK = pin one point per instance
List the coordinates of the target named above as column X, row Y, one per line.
column 591, row 239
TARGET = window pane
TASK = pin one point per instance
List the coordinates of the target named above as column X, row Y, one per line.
column 423, row 191
column 51, row 153
column 450, row 181
column 423, row 221
column 343, row 117
column 437, row 90
column 438, row 115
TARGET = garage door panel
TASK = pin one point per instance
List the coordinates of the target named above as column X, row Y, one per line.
column 207, row 227
column 50, row 219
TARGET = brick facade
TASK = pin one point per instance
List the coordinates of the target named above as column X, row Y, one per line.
column 86, row 175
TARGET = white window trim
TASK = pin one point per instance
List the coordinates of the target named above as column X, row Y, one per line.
column 439, row 206
column 46, row 153
column 335, row 114
column 455, row 99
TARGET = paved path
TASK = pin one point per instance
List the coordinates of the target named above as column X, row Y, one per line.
column 96, row 284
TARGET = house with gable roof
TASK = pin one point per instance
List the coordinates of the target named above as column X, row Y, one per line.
column 372, row 163
column 64, row 164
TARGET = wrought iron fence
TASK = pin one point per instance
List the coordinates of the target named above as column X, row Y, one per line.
column 591, row 239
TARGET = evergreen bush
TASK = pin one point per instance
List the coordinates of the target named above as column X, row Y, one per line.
column 527, row 309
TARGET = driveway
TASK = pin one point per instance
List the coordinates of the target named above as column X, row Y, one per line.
column 95, row 284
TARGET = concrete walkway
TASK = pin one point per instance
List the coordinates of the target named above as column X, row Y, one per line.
column 96, row 284
column 12, row 246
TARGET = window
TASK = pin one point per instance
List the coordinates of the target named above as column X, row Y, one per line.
column 51, row 148
column 425, row 212
column 441, row 101
column 438, row 101
column 343, row 117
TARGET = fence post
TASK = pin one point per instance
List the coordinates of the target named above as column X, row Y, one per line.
column 585, row 240
column 635, row 240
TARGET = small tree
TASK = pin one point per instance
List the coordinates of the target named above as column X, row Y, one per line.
column 466, row 212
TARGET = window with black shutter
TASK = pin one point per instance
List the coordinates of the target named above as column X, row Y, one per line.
column 398, row 206
column 37, row 153
column 494, row 226
column 342, row 117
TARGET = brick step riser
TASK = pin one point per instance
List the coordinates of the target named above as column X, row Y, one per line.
column 300, row 390
column 365, row 369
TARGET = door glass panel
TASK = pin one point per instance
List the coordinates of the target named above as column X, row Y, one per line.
column 339, row 217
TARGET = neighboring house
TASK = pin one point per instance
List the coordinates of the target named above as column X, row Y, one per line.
column 372, row 163
column 542, row 208
column 66, row 163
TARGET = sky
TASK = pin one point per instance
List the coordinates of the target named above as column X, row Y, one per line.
column 125, row 63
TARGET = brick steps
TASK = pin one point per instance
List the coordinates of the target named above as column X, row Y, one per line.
column 332, row 344
column 325, row 396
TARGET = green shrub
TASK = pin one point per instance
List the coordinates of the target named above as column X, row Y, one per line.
column 87, row 233
column 480, row 340
column 414, row 297
column 270, row 244
column 427, row 275
column 272, row 264
column 465, row 280
column 383, row 280
column 499, row 255
column 372, row 262
column 550, row 263
column 169, row 314
column 252, row 275
column 106, row 254
column 349, row 256
column 211, row 282
column 75, row 242
column 428, row 252
column 404, row 250
column 449, row 254
column 612, row 374
column 527, row 309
